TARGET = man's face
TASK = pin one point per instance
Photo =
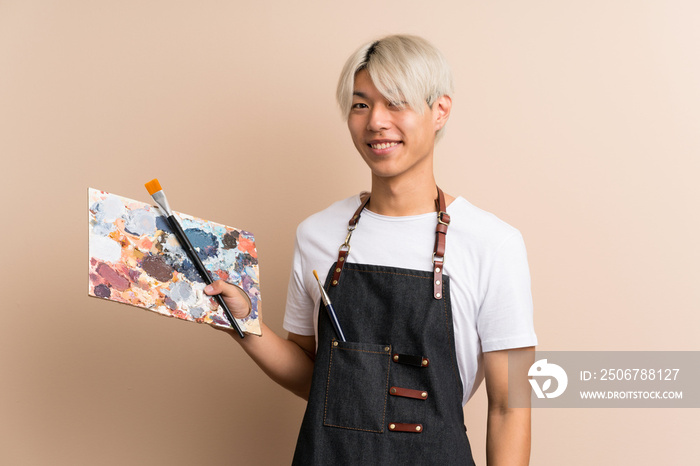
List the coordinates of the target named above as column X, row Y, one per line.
column 393, row 141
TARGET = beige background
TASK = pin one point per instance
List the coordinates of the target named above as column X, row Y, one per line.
column 575, row 121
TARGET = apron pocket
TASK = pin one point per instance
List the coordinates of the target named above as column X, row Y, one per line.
column 357, row 386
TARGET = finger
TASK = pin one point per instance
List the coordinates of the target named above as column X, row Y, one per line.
column 237, row 299
column 217, row 287
column 247, row 306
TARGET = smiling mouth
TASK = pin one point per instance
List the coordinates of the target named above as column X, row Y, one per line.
column 383, row 145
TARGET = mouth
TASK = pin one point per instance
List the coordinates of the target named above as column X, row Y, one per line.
column 383, row 145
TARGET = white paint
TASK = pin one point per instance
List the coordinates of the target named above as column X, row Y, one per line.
column 141, row 222
column 109, row 209
column 104, row 249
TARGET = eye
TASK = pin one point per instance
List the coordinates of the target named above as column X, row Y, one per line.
column 397, row 105
column 359, row 105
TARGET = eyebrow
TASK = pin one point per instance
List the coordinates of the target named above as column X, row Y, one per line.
column 360, row 94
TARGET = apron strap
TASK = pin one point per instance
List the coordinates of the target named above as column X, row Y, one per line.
column 443, row 221
column 344, row 249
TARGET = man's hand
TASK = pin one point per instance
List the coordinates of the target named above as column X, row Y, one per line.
column 235, row 298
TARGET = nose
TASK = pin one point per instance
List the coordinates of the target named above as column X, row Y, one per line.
column 379, row 119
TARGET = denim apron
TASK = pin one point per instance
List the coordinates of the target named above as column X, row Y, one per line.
column 391, row 393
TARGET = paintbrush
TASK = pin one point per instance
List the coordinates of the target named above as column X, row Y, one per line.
column 158, row 195
column 330, row 310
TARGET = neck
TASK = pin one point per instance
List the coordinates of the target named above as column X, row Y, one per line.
column 395, row 199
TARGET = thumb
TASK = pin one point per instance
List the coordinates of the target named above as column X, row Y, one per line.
column 217, row 287
column 236, row 299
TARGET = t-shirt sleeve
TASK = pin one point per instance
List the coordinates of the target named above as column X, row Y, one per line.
column 298, row 314
column 505, row 318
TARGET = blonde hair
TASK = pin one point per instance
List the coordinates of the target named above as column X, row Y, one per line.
column 406, row 70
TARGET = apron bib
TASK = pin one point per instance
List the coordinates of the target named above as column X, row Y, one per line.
column 392, row 392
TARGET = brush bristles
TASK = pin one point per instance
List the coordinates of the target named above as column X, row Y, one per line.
column 153, row 186
column 316, row 275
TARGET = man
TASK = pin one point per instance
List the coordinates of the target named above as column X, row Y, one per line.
column 429, row 290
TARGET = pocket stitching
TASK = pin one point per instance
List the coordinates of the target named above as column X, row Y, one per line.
column 386, row 391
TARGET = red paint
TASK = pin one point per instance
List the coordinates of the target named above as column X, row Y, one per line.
column 246, row 245
column 117, row 281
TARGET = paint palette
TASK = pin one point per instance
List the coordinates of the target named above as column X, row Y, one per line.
column 136, row 259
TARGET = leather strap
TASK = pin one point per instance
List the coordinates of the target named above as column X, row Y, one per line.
column 411, row 360
column 409, row 393
column 344, row 249
column 403, row 427
column 443, row 221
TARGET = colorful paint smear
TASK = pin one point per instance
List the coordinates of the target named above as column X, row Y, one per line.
column 136, row 259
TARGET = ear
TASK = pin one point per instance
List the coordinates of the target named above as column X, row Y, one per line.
column 441, row 111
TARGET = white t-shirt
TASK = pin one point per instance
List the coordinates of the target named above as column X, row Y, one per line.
column 485, row 259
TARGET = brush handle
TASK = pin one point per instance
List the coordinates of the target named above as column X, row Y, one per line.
column 334, row 321
column 194, row 257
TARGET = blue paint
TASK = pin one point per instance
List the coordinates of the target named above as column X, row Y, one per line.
column 187, row 268
column 162, row 224
column 243, row 261
column 206, row 244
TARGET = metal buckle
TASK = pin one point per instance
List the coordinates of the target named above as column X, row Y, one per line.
column 441, row 259
column 440, row 220
column 346, row 244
